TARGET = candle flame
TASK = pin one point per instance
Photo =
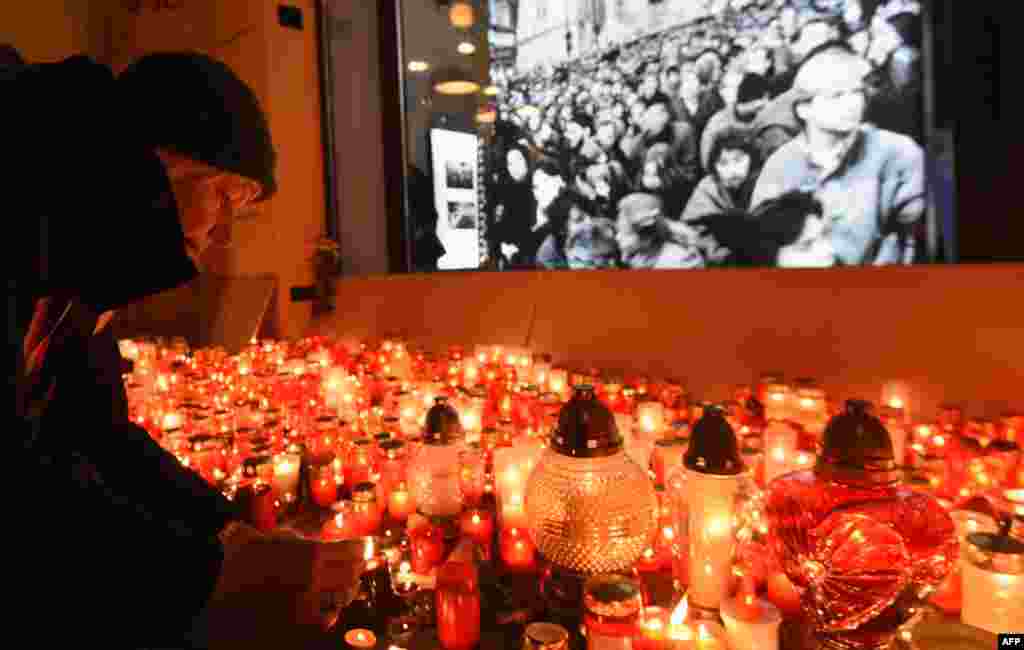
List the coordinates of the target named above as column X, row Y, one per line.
column 703, row 634
column 896, row 403
column 476, row 520
column 677, row 619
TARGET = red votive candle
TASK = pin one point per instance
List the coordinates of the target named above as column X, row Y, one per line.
column 652, row 630
column 427, row 546
column 517, row 550
column 479, row 526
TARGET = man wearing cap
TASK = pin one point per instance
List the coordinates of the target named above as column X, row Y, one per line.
column 645, row 239
column 751, row 98
column 120, row 186
column 870, row 181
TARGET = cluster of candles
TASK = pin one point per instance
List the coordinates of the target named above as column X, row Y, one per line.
column 337, row 425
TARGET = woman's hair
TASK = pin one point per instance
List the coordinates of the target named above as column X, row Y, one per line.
column 732, row 138
column 558, row 212
column 526, row 158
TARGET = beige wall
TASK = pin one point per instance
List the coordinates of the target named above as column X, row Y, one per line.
column 51, row 30
column 281, row 66
column 953, row 332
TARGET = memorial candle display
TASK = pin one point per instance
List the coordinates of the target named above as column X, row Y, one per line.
column 325, row 410
column 993, row 582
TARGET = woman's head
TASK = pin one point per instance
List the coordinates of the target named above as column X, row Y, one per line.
column 517, row 163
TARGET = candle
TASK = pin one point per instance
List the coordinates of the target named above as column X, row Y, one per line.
column 652, row 630
column 517, row 550
column 992, row 600
column 710, row 536
column 753, row 624
column 513, row 511
column 680, row 633
column 558, row 381
column 780, row 441
column 479, row 526
column 324, row 488
column 427, row 544
column 286, row 474
column 340, row 526
column 650, row 417
column 360, row 639
column 783, row 594
column 710, row 636
column 896, row 395
column 400, row 504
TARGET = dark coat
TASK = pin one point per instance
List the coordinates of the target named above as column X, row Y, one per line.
column 120, row 538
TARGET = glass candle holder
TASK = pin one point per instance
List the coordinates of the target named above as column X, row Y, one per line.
column 360, row 463
column 780, row 448
column 611, row 610
column 323, row 487
column 458, row 605
column 366, row 513
column 993, row 583
column 776, row 405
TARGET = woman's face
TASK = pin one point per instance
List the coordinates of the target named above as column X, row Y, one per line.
column 516, row 163
column 812, row 249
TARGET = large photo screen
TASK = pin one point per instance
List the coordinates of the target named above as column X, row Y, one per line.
column 693, row 134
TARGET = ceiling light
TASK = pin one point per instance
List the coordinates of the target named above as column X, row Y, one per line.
column 486, row 115
column 453, row 81
column 491, row 91
column 461, row 15
column 418, row 66
column 466, row 47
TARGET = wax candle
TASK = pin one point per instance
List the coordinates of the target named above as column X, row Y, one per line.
column 751, row 624
column 517, row 550
column 479, row 526
column 783, row 594
column 710, row 636
column 360, row 639
column 710, row 536
column 400, row 504
column 286, row 475
column 652, row 630
column 457, row 603
column 323, row 486
column 992, row 600
column 780, row 442
column 427, row 544
column 340, row 525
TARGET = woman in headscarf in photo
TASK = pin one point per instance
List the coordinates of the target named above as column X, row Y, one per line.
column 645, row 239
column 515, row 208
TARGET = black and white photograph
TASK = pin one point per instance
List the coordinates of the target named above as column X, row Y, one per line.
column 461, row 214
column 708, row 133
column 459, row 174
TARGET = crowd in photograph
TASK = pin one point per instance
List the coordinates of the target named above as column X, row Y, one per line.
column 785, row 133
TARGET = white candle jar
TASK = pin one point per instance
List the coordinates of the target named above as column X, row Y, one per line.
column 993, row 583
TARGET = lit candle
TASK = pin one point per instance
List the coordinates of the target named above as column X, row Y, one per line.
column 513, row 512
column 339, row 526
column 558, row 381
column 751, row 623
column 400, row 504
column 710, row 536
column 650, row 417
column 783, row 594
column 479, row 526
column 780, row 442
column 324, row 489
column 993, row 582
column 710, row 636
column 517, row 550
column 286, row 474
column 680, row 633
column 652, row 630
column 896, row 395
column 360, row 639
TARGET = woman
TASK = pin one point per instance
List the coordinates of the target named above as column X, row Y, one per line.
column 733, row 164
column 514, row 210
column 661, row 176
